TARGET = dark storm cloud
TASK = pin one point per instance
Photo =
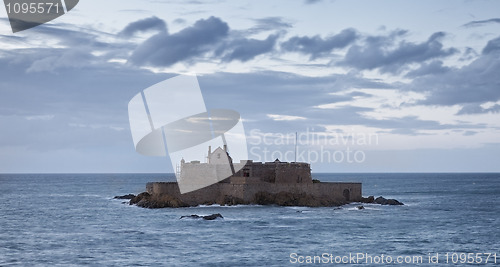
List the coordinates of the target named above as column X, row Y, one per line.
column 317, row 46
column 481, row 22
column 152, row 23
column 383, row 53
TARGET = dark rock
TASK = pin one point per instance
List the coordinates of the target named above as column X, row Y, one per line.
column 228, row 200
column 369, row 199
column 384, row 201
column 147, row 200
column 360, row 207
column 294, row 199
column 129, row 196
column 139, row 197
column 213, row 216
column 208, row 217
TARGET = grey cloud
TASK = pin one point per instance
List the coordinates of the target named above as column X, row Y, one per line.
column 469, row 54
column 434, row 67
column 179, row 21
column 72, row 37
column 246, row 49
column 74, row 58
column 492, row 46
column 475, row 108
column 152, row 23
column 477, row 82
column 469, row 133
column 377, row 52
column 241, row 92
column 481, row 22
column 163, row 49
column 269, row 24
column 317, row 46
column 310, row 2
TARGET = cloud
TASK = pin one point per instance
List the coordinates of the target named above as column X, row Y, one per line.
column 317, row 46
column 469, row 54
column 276, row 117
column 310, row 2
column 269, row 24
column 208, row 39
column 476, row 23
column 383, row 53
column 475, row 108
column 469, row 133
column 283, row 96
column 39, row 117
column 477, row 82
column 64, row 58
column 246, row 49
column 492, row 46
column 434, row 67
column 163, row 49
column 147, row 24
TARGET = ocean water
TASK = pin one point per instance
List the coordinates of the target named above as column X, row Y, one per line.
column 72, row 219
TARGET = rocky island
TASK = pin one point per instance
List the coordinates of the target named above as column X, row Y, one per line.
column 261, row 183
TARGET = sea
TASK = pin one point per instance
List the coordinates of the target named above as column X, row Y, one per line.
column 73, row 219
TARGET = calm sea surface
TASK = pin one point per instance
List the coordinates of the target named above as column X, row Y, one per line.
column 72, row 219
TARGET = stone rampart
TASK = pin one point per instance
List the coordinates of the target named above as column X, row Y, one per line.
column 342, row 192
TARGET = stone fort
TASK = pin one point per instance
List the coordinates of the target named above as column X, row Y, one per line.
column 251, row 180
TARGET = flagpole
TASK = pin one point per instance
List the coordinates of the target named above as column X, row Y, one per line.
column 295, row 146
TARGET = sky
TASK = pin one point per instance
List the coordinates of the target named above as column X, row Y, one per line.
column 368, row 86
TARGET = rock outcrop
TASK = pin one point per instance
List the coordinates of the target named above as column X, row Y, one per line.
column 208, row 217
column 383, row 201
column 294, row 199
column 129, row 196
column 147, row 200
column 380, row 200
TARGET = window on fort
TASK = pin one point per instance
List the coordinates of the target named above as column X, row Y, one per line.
column 218, row 155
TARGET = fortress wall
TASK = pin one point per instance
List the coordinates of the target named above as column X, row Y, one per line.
column 338, row 189
column 247, row 192
column 293, row 173
column 245, row 180
column 265, row 171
